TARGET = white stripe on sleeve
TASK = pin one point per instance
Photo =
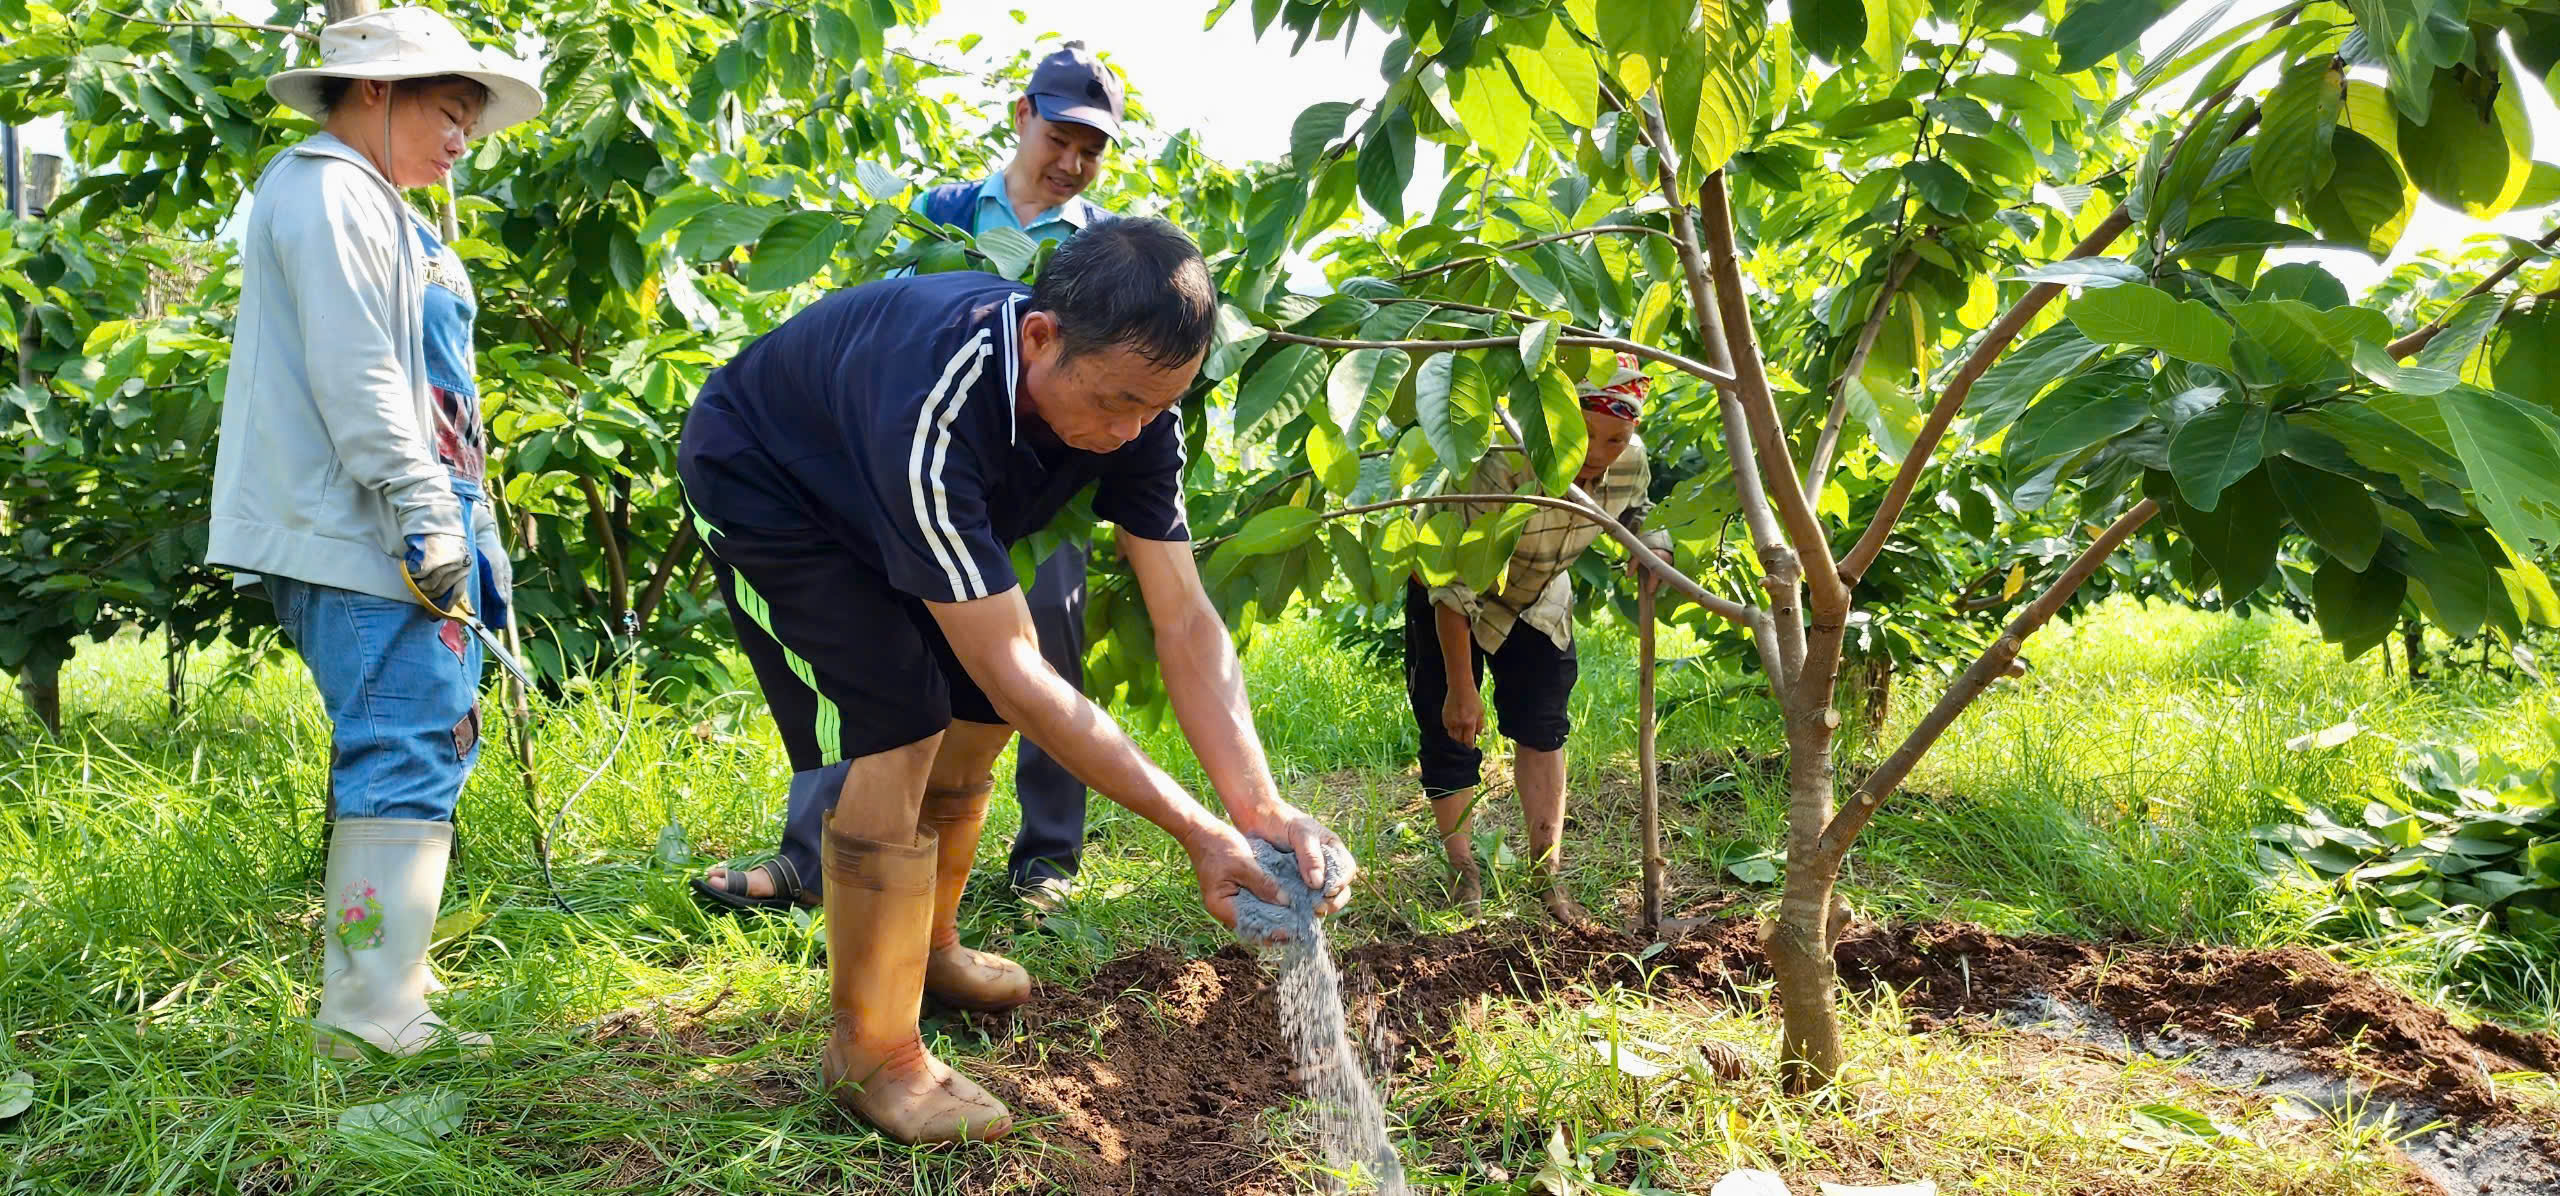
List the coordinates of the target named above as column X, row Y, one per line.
column 925, row 458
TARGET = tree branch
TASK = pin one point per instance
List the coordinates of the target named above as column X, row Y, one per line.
column 1671, row 576
column 1991, row 664
column 617, row 583
column 1995, row 341
column 678, row 550
column 2418, row 340
column 1818, row 471
column 1647, row 352
column 1533, row 242
column 231, row 26
column 1826, row 594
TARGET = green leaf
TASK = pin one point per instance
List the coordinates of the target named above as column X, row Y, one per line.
column 2453, row 586
column 1832, row 29
column 874, row 230
column 2225, row 235
column 1707, row 103
column 1557, row 72
column 1011, row 249
column 879, row 182
column 1537, row 344
column 2336, row 512
column 1386, row 165
column 17, row 1093
column 793, row 250
column 2094, row 30
column 2149, row 318
column 2414, row 38
column 1455, row 405
column 2238, row 538
column 2368, row 200
column 2017, row 378
column 2524, row 359
column 2095, row 273
column 1316, row 129
column 1652, row 30
column 1278, row 392
column 2295, row 334
column 1360, row 387
column 2512, row 452
column 678, row 210
column 2215, row 449
column 1551, row 426
column 2374, row 362
column 1278, row 529
column 2291, row 158
column 1335, row 463
column 1436, row 545
column 2465, row 328
column 419, row 1117
column 1496, row 116
column 2086, row 411
column 1235, row 341
column 1939, row 185
column 723, row 227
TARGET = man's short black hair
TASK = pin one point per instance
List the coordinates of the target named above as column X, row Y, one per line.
column 1136, row 282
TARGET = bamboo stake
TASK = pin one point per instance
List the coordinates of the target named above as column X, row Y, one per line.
column 1648, row 764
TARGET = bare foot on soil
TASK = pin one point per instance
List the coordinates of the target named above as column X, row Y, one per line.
column 1563, row 908
column 1466, row 888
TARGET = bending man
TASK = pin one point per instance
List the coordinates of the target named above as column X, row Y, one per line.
column 857, row 474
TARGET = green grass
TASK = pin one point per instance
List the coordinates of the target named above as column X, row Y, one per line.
column 158, row 922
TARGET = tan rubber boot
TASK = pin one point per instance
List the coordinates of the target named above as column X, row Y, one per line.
column 954, row 974
column 879, row 928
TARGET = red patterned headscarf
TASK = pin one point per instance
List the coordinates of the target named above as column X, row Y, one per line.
column 1622, row 396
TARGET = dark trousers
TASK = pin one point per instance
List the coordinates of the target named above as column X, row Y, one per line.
column 1532, row 690
column 1052, row 799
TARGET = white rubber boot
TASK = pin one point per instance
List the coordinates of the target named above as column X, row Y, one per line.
column 385, row 883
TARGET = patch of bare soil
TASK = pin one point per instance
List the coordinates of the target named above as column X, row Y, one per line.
column 1162, row 1074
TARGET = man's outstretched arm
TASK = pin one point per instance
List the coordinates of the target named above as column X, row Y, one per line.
column 1206, row 686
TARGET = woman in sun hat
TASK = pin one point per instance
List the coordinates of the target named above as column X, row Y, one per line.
column 348, row 482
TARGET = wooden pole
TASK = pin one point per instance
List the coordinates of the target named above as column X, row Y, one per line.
column 1648, row 767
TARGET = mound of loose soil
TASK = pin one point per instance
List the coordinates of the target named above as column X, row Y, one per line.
column 1159, row 1076
column 2295, row 999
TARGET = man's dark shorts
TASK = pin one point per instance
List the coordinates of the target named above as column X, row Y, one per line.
column 1532, row 686
column 850, row 666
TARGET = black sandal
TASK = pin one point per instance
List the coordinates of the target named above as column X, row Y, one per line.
column 730, row 896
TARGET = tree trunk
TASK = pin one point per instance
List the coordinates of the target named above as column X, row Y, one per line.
column 1799, row 942
column 41, row 685
column 2413, row 640
column 1875, row 695
column 1648, row 763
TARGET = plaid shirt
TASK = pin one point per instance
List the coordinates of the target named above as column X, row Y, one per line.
column 1537, row 586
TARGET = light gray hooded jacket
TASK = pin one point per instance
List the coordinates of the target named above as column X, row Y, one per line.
column 328, row 459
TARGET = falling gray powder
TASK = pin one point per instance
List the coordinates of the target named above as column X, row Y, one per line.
column 1350, row 1123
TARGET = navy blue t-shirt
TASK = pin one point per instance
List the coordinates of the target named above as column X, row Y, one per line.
column 889, row 417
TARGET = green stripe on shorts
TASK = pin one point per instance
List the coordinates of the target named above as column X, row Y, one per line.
column 830, row 729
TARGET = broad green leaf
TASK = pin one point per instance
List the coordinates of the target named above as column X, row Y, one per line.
column 2292, row 157
column 2297, row 335
column 2149, row 318
column 2414, row 38
column 2453, row 586
column 2459, row 155
column 1888, row 412
column 1707, row 103
column 419, row 1117
column 1939, row 185
column 1455, row 404
column 1278, row 392
column 1316, row 129
column 1435, row 546
column 1832, row 29
column 793, row 250
column 1411, row 460
column 2216, row 449
column 1236, row 340
column 2336, row 512
column 2086, row 411
column 675, row 212
column 2368, row 200
column 2465, row 328
column 1386, row 165
column 1011, row 249
column 17, row 1094
column 1359, row 388
column 2305, row 282
column 1889, row 28
column 716, row 230
column 1496, row 116
column 1654, row 31
column 2372, row 361
column 2226, row 235
column 2524, row 355
column 2356, row 610
column 1558, row 72
column 1278, row 529
column 1537, row 344
column 2512, row 452
column 2238, row 538
column 2018, row 377
column 1551, row 426
column 874, row 229
column 2095, row 273
column 1335, row 463
column 2094, row 30
column 879, row 182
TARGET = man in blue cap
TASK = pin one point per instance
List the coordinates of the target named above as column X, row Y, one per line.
column 1067, row 118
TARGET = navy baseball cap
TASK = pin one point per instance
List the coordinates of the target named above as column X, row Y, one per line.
column 1073, row 86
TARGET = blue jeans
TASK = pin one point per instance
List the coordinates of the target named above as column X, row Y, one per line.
column 402, row 689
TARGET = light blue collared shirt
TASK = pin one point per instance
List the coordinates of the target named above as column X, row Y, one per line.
column 995, row 210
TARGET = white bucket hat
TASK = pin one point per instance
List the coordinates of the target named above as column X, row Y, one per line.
column 411, row 43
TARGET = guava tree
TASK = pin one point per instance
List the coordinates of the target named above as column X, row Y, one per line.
column 1889, row 246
